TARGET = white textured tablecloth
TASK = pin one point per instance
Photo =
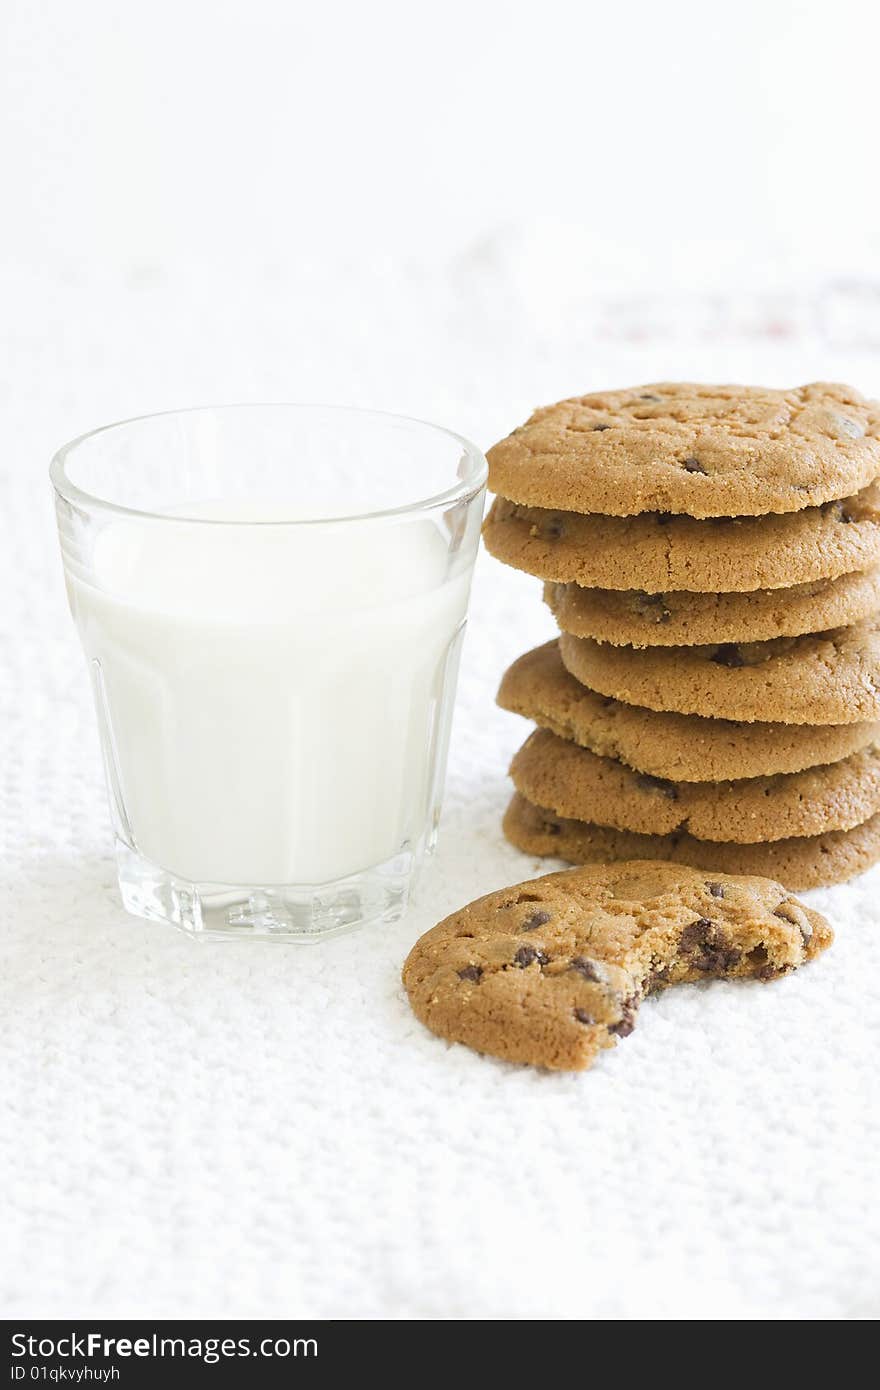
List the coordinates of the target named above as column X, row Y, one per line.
column 268, row 1131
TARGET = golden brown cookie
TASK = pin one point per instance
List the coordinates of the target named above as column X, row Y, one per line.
column 575, row 783
column 812, row 862
column 631, row 617
column 551, row 971
column 702, row 450
column 657, row 552
column 820, row 678
column 682, row 747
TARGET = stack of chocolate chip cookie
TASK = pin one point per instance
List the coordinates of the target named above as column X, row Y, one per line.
column 712, row 557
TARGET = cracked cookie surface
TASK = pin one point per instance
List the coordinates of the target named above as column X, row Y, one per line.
column 809, row 862
column 819, row 678
column 634, row 618
column 682, row 747
column 575, row 783
column 553, row 970
column 657, row 552
column 698, row 449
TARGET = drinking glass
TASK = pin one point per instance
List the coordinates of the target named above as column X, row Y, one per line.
column 272, row 601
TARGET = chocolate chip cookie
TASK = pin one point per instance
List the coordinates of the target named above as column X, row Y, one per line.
column 626, row 617
column 682, row 747
column 820, row 678
column 575, row 783
column 658, row 552
column 810, row 862
column 551, row 971
column 703, row 450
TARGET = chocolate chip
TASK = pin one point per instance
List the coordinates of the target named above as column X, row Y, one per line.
column 584, row 967
column 658, row 977
column 695, row 934
column 537, row 919
column 709, row 948
column 583, row 1017
column 791, row 912
column 597, row 429
column 771, row 972
column 652, row 606
column 841, row 513
column 471, row 972
column 553, row 528
column 693, row 465
column 716, row 890
column 527, row 955
column 728, row 654
column 648, row 397
column 627, row 1021
column 658, row 784
column 718, row 957
column 624, row 1027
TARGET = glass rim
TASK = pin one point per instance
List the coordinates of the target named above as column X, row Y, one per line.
column 463, row 490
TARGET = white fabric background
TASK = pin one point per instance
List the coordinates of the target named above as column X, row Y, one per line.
column 459, row 221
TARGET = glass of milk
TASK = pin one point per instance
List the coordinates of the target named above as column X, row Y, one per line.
column 272, row 601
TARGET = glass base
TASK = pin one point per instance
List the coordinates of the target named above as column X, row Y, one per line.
column 277, row 912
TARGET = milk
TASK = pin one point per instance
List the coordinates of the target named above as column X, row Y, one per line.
column 272, row 697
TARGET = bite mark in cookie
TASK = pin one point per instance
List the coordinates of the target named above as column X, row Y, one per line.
column 614, row 934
